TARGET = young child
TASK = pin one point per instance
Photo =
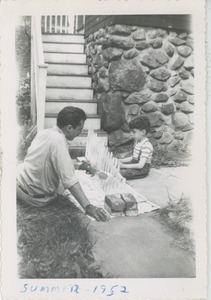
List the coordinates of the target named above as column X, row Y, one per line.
column 138, row 165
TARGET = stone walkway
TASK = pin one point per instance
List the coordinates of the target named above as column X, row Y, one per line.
column 140, row 247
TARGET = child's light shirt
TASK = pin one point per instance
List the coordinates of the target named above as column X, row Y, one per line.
column 143, row 149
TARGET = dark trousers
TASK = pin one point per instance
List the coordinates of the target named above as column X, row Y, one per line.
column 135, row 173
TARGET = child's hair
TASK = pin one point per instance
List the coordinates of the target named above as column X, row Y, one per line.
column 141, row 122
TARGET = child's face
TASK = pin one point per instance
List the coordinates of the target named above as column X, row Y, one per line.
column 138, row 134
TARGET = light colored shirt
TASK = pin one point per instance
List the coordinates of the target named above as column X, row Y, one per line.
column 48, row 166
column 143, row 149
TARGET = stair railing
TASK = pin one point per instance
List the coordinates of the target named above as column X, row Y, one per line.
column 38, row 75
column 58, row 24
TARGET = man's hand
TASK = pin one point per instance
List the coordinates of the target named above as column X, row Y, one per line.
column 96, row 212
column 86, row 165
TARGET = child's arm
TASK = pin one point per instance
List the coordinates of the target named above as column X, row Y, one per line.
column 139, row 165
column 126, row 159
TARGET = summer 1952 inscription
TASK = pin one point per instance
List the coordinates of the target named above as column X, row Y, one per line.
column 109, row 290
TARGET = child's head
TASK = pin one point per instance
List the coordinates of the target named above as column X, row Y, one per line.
column 140, row 126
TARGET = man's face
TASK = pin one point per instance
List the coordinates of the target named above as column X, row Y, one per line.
column 71, row 133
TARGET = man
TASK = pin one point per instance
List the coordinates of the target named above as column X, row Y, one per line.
column 48, row 168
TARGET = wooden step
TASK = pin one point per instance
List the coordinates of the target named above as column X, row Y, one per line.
column 54, row 57
column 67, row 69
column 61, row 38
column 77, row 151
column 69, row 81
column 63, row 47
column 92, row 121
column 90, row 107
column 80, row 141
column 69, row 94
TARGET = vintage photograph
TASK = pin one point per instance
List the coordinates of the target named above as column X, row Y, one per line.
column 104, row 154
column 114, row 95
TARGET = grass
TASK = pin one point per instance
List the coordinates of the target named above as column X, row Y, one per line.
column 53, row 242
column 177, row 217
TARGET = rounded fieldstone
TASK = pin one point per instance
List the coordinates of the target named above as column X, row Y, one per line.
column 149, row 61
column 192, row 72
column 179, row 135
column 187, row 86
column 112, row 53
column 111, row 111
column 160, row 97
column 184, row 74
column 133, row 109
column 156, row 119
column 106, row 64
column 188, row 137
column 101, row 32
column 124, row 95
column 172, row 91
column 180, row 97
column 167, row 109
column 93, row 52
column 119, row 137
column 179, row 119
column 183, row 35
column 189, row 63
column 130, row 53
column 175, row 145
column 155, row 59
column 139, row 34
column 184, row 50
column 157, row 134
column 167, row 138
column 187, row 127
column 95, row 77
column 103, row 85
column 169, row 50
column 189, row 42
column 126, row 75
column 176, row 41
column 176, row 62
column 156, row 85
column 138, row 97
column 90, row 38
column 142, row 45
column 98, row 60
column 103, row 72
column 120, row 30
column 186, row 107
column 161, row 74
column 134, row 28
column 125, row 127
column 191, row 99
column 149, row 107
column 191, row 118
column 121, row 42
column 174, row 80
column 155, row 33
column 156, row 43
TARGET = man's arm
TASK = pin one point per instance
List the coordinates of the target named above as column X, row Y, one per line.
column 98, row 213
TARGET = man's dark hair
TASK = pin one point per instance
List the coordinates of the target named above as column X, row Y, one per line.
column 141, row 122
column 70, row 115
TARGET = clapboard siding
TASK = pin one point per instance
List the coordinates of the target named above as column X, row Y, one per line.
column 172, row 22
column 94, row 23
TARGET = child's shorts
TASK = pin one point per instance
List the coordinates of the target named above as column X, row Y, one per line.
column 135, row 173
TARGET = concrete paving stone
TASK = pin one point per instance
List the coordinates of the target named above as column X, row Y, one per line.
column 141, row 247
